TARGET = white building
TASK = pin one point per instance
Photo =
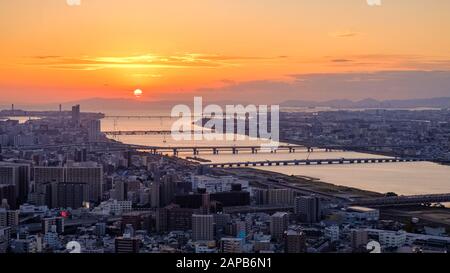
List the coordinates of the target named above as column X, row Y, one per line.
column 332, row 232
column 112, row 207
column 362, row 214
column 32, row 209
column 51, row 239
column 390, row 239
column 214, row 184
column 231, row 245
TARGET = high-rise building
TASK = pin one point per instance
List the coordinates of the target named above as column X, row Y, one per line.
column 241, row 229
column 81, row 155
column 76, row 117
column 161, row 222
column 9, row 218
column 45, row 194
column 280, row 197
column 90, row 174
column 48, row 174
column 274, row 196
column 359, row 238
column 222, row 220
column 295, row 242
column 278, row 225
column 133, row 219
column 100, row 229
column 172, row 217
column 94, row 130
column 51, row 238
column 16, row 174
column 5, row 236
column 155, row 194
column 332, row 232
column 8, row 193
column 127, row 244
column 179, row 218
column 47, row 224
column 307, row 208
column 120, row 190
column 72, row 195
column 168, row 188
column 231, row 245
column 202, row 227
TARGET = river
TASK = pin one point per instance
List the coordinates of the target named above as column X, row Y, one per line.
column 401, row 178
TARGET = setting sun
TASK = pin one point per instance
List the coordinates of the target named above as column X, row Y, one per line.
column 137, row 93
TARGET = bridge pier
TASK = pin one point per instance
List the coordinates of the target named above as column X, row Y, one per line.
column 235, row 151
column 195, row 151
column 215, row 151
column 254, row 151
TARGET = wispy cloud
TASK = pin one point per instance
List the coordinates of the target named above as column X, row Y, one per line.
column 341, row 61
column 344, row 34
column 143, row 61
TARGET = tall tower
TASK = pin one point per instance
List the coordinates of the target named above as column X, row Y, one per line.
column 308, row 209
column 76, row 114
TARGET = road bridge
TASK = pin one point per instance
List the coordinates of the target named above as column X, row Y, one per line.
column 403, row 200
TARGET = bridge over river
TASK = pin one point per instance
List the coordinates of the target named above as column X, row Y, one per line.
column 311, row 162
column 403, row 200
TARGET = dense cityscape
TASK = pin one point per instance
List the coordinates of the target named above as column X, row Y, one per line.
column 62, row 180
column 420, row 133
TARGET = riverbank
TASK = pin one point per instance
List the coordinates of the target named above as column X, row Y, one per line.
column 306, row 184
column 428, row 216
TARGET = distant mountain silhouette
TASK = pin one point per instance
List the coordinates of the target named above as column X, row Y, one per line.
column 109, row 105
column 443, row 102
column 118, row 104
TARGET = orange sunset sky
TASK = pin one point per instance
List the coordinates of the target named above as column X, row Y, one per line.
column 304, row 49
